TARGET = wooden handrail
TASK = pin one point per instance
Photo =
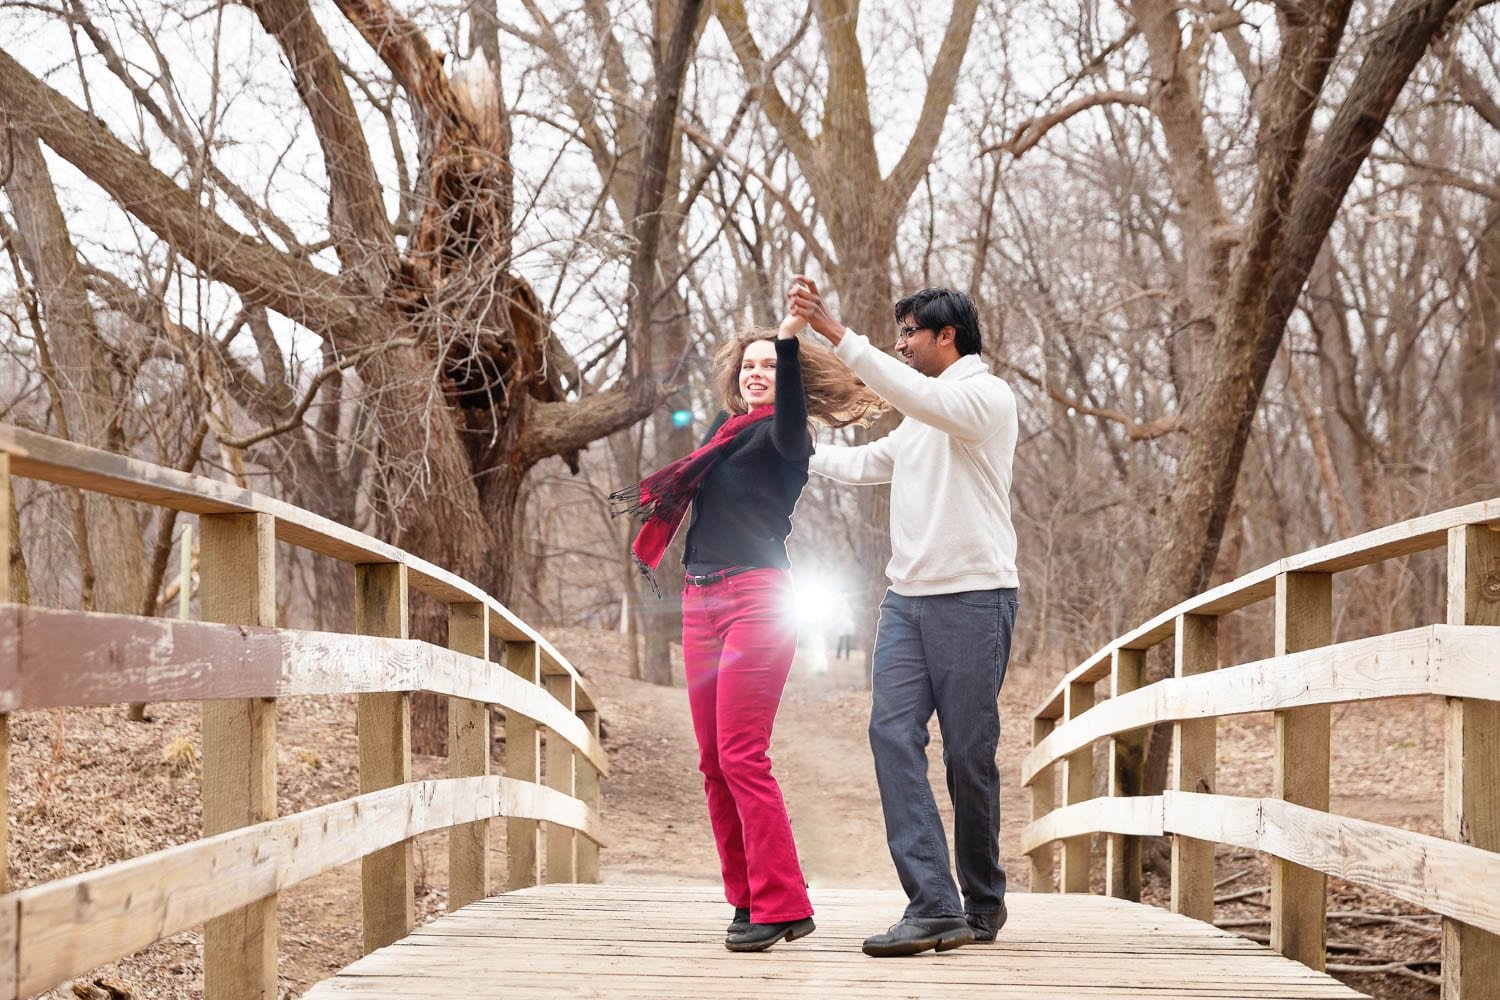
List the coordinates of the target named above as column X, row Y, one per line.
column 48, row 459
column 1454, row 880
column 115, row 659
column 70, row 925
column 1417, row 535
column 1458, row 660
column 1453, row 661
column 236, row 664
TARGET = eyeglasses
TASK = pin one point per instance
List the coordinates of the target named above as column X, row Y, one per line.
column 905, row 332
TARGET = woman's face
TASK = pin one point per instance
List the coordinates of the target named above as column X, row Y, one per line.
column 758, row 373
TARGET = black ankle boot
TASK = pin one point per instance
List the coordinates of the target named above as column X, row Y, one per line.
column 741, row 922
column 761, row 936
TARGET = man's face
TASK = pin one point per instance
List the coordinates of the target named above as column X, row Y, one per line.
column 918, row 347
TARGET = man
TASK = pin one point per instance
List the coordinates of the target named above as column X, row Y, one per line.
column 945, row 624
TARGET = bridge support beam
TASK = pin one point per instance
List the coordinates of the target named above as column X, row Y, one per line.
column 1127, row 776
column 1078, row 786
column 387, row 877
column 522, row 763
column 1299, row 896
column 1471, row 772
column 587, row 781
column 1195, row 757
column 7, row 502
column 468, row 757
column 237, row 586
column 1043, row 801
column 562, row 863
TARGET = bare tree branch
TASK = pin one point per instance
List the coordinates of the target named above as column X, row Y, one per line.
column 935, row 102
column 173, row 131
column 1134, row 429
column 361, row 232
column 731, row 16
column 259, row 273
column 1031, row 132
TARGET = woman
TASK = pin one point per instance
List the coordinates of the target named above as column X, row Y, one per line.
column 739, row 626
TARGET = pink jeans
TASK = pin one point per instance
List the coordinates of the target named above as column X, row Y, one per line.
column 738, row 637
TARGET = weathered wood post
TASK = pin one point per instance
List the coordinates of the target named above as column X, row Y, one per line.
column 588, row 793
column 1299, row 896
column 1194, row 769
column 1078, row 786
column 1043, row 801
column 237, row 574
column 5, row 598
column 562, row 865
column 523, row 763
column 468, row 757
column 387, row 877
column 1471, row 769
column 1127, row 775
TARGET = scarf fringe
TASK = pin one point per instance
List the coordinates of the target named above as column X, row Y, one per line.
column 628, row 501
column 650, row 576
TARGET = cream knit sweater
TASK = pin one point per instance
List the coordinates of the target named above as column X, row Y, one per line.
column 949, row 466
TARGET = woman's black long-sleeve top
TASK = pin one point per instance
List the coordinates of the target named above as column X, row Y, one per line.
column 742, row 512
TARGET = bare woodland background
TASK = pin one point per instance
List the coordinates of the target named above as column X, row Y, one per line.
column 442, row 272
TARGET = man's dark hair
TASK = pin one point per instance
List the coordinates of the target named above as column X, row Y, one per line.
column 934, row 308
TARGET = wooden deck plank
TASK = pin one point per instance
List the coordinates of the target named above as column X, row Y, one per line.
column 622, row 941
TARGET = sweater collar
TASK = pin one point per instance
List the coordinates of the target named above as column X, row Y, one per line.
column 969, row 364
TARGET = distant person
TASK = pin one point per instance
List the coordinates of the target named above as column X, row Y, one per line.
column 944, row 635
column 739, row 622
column 845, row 643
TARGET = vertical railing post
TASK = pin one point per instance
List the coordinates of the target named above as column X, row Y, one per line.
column 1471, row 806
column 237, row 573
column 5, row 598
column 562, row 864
column 588, row 792
column 1078, row 786
column 387, row 877
column 1043, row 801
column 1194, row 769
column 1127, row 775
column 468, row 757
column 523, row 763
column 1299, row 896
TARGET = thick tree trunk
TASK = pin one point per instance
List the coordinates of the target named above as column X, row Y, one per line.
column 1476, row 456
column 866, row 300
column 90, row 412
column 1293, row 209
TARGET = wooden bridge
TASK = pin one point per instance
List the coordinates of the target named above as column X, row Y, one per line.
column 544, row 927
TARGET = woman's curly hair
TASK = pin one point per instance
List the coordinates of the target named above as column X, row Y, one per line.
column 835, row 395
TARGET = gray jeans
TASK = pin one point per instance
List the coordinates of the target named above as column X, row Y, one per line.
column 945, row 653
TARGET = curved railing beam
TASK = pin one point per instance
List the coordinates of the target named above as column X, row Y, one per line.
column 87, row 920
column 115, row 659
column 1416, row 535
column 38, row 456
column 1451, row 879
column 1449, row 660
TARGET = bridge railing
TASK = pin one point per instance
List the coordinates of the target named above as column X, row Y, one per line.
column 236, row 663
column 1457, row 875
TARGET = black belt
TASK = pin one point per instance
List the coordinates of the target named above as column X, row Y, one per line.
column 708, row 579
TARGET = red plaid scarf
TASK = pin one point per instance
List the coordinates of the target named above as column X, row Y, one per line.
column 661, row 500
